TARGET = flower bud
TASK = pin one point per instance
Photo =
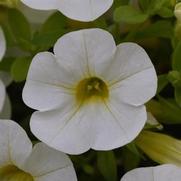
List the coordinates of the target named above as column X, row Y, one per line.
column 160, row 147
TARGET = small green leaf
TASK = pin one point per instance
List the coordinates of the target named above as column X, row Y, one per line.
column 156, row 30
column 20, row 68
column 51, row 30
column 129, row 15
column 165, row 110
column 165, row 12
column 20, row 28
column 107, row 165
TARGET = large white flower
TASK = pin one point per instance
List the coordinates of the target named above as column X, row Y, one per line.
column 83, row 10
column 89, row 93
column 165, row 172
column 19, row 162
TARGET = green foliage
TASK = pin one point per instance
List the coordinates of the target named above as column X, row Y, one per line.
column 19, row 68
column 107, row 165
column 19, row 28
column 128, row 14
column 50, row 31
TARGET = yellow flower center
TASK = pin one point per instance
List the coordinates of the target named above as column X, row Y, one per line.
column 12, row 173
column 92, row 87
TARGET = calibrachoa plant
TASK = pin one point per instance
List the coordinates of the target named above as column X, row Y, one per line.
column 99, row 80
column 87, row 89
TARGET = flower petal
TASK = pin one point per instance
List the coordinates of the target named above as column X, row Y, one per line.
column 75, row 131
column 48, row 85
column 117, row 124
column 2, row 44
column 165, row 172
column 82, row 10
column 86, row 51
column 132, row 75
column 47, row 164
column 64, row 129
column 2, row 95
column 15, row 145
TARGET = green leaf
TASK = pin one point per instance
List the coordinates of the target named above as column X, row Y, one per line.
column 20, row 68
column 107, row 165
column 176, row 61
column 165, row 110
column 156, row 30
column 152, row 6
column 165, row 12
column 51, row 30
column 130, row 160
column 20, row 28
column 129, row 15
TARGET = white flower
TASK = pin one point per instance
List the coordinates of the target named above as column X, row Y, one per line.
column 89, row 93
column 165, row 172
column 83, row 10
column 19, row 162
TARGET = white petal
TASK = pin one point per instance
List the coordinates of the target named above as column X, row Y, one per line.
column 15, row 145
column 87, row 51
column 82, row 10
column 2, row 95
column 132, row 75
column 76, row 130
column 47, row 164
column 117, row 124
column 6, row 111
column 2, row 44
column 48, row 84
column 64, row 129
column 165, row 172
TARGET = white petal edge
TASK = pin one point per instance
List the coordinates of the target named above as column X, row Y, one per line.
column 165, row 172
column 48, row 85
column 76, row 130
column 46, row 164
column 2, row 95
column 82, row 10
column 15, row 146
column 2, row 44
column 87, row 51
column 132, row 75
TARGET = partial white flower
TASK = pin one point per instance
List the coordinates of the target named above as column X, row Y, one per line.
column 19, row 162
column 2, row 44
column 82, row 10
column 89, row 93
column 165, row 172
